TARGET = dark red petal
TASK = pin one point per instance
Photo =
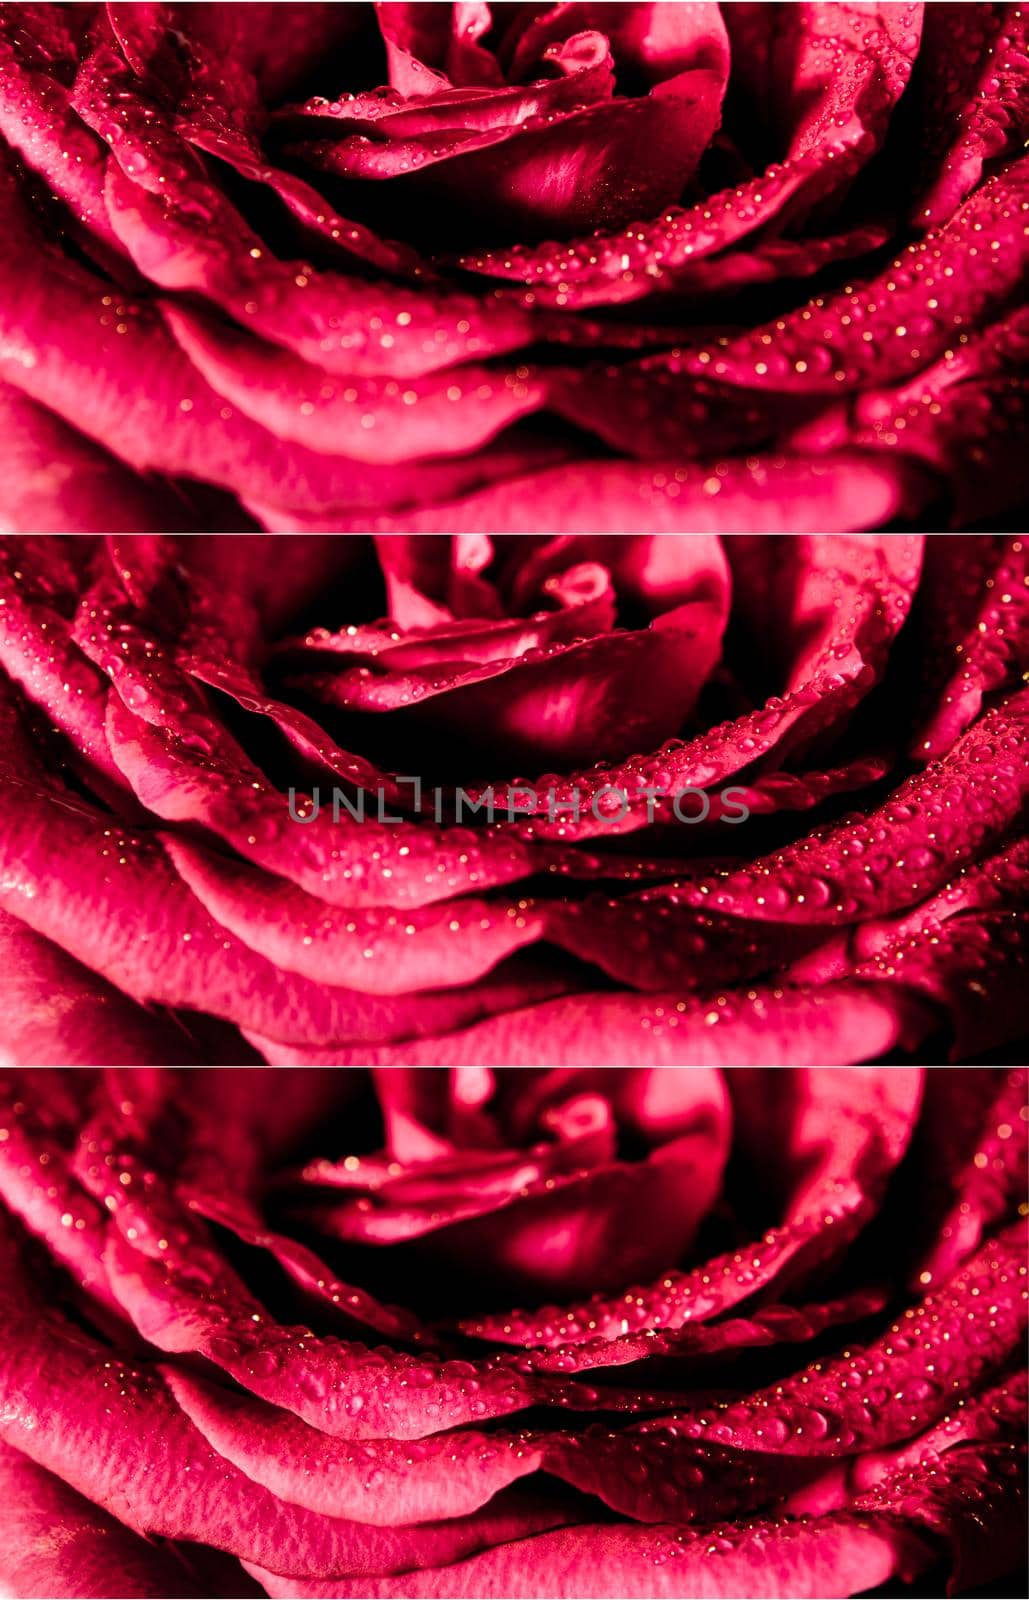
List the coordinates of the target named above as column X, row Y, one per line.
column 937, row 821
column 39, row 654
column 974, row 1498
column 977, row 1129
column 974, row 72
column 973, row 967
column 971, row 1328
column 985, row 420
column 213, row 131
column 821, row 1126
column 648, row 40
column 247, row 39
column 974, row 606
column 838, row 96
column 566, row 703
column 614, row 1222
column 609, row 268
column 653, row 573
column 838, row 605
column 681, row 1300
column 997, row 883
column 997, row 1413
column 558, row 172
column 651, row 941
column 958, row 269
column 830, row 77
column 352, row 1306
column 692, row 1343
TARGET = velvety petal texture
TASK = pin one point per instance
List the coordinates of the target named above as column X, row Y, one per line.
column 601, row 799
column 795, row 1368
column 564, row 268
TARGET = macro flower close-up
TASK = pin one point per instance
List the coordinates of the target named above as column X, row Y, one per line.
column 670, row 1333
column 488, row 268
column 523, row 801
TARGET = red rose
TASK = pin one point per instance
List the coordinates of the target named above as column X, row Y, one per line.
column 259, row 1333
column 565, row 267
column 773, row 810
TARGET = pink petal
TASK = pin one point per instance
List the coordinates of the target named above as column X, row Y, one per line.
column 123, row 912
column 39, row 48
column 59, row 1011
column 375, row 951
column 59, row 482
column 843, row 1023
column 38, row 653
column 151, row 407
column 840, row 492
column 124, row 1444
column 384, row 1482
column 55, row 1542
column 366, row 419
column 840, row 1555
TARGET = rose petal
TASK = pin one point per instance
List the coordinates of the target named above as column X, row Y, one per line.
column 969, row 1116
column 844, row 1023
column 151, row 407
column 862, row 1401
column 805, row 353
column 384, row 1482
column 838, row 1555
column 38, row 653
column 841, row 491
column 936, row 821
column 247, row 39
column 973, row 82
column 125, row 913
column 364, row 419
column 124, row 1445
column 57, row 1010
column 374, row 951
column 975, row 606
column 56, row 1542
column 39, row 49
